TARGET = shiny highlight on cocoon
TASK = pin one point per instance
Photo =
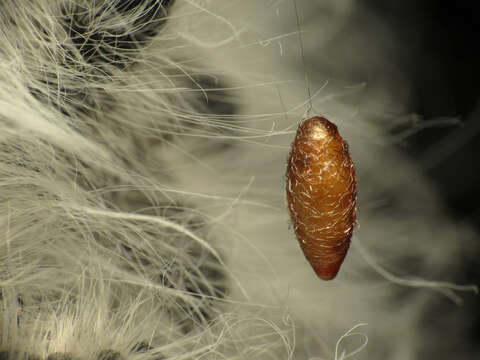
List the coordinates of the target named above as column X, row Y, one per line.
column 321, row 195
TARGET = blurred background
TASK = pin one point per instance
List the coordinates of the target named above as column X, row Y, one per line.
column 440, row 56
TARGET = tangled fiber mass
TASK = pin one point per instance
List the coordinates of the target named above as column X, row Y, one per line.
column 142, row 206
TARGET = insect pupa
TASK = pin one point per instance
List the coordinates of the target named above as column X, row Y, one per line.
column 321, row 195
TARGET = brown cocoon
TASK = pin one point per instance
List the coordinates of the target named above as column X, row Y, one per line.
column 321, row 195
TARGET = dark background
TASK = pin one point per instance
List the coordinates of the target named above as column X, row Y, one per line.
column 441, row 58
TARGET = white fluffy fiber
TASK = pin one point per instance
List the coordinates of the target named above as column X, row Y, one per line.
column 122, row 199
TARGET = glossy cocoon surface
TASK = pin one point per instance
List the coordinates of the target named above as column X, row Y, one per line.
column 321, row 195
